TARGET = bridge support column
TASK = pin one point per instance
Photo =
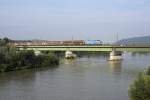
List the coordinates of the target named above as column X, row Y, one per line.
column 115, row 55
column 69, row 55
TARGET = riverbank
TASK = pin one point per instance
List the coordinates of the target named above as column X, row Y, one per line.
column 12, row 60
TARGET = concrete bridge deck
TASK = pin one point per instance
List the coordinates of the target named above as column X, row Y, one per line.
column 86, row 48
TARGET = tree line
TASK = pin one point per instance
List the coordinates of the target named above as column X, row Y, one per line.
column 12, row 59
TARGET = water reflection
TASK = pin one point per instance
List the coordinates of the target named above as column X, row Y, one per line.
column 69, row 61
column 115, row 66
column 139, row 54
column 83, row 78
column 18, row 81
column 22, row 76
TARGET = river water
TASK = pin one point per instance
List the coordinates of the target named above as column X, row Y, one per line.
column 86, row 78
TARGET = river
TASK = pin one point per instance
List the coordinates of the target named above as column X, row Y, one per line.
column 86, row 78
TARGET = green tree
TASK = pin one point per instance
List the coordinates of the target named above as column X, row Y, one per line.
column 4, row 41
column 11, row 59
column 148, row 71
column 140, row 89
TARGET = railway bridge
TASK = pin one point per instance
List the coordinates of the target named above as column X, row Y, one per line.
column 85, row 48
column 111, row 49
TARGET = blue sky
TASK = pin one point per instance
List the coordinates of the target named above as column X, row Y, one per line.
column 81, row 19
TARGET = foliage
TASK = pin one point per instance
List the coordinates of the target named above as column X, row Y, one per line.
column 11, row 59
column 148, row 71
column 140, row 89
column 4, row 41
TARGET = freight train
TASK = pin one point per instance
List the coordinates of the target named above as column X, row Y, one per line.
column 59, row 43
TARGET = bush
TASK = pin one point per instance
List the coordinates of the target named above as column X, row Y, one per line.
column 49, row 60
column 148, row 71
column 140, row 89
column 11, row 59
column 26, row 59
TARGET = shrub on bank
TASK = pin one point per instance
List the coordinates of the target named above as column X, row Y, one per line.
column 148, row 71
column 11, row 59
column 26, row 59
column 140, row 89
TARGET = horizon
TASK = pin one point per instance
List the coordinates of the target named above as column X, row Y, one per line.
column 75, row 39
column 80, row 19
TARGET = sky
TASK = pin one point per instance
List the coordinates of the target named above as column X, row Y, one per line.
column 77, row 19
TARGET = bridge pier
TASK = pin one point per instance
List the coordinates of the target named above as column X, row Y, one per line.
column 115, row 55
column 69, row 55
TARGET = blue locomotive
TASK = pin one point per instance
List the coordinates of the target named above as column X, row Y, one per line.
column 93, row 42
